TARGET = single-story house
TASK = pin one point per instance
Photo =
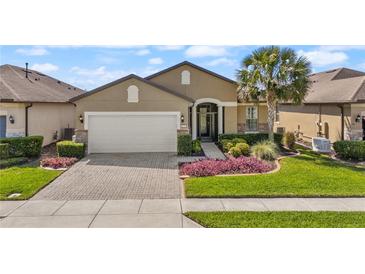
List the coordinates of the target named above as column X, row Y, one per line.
column 32, row 103
column 334, row 108
column 135, row 114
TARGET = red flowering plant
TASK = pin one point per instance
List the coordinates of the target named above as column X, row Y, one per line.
column 240, row 165
column 58, row 162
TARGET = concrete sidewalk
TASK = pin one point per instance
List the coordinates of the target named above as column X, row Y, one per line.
column 151, row 213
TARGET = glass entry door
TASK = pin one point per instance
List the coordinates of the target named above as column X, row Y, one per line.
column 207, row 122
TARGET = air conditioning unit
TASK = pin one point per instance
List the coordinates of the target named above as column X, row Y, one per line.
column 321, row 144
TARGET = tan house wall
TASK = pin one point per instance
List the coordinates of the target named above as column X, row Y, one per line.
column 17, row 110
column 230, row 119
column 241, row 117
column 47, row 118
column 304, row 118
column 115, row 98
column 202, row 84
column 356, row 127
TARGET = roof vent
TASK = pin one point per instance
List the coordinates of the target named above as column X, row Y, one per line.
column 58, row 81
column 26, row 70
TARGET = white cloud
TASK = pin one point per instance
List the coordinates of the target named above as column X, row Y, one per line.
column 361, row 66
column 148, row 71
column 170, row 47
column 34, row 51
column 155, row 61
column 45, row 68
column 142, row 52
column 324, row 57
column 203, row 51
column 222, row 62
column 342, row 48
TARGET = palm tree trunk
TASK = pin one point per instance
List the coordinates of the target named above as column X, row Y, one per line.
column 271, row 115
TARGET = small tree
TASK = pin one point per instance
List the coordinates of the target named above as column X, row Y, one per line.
column 274, row 74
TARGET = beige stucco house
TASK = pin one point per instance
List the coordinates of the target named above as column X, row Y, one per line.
column 135, row 114
column 32, row 103
column 334, row 108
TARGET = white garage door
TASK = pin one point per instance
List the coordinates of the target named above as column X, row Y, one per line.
column 132, row 132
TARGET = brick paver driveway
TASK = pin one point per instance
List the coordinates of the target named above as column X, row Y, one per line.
column 117, row 176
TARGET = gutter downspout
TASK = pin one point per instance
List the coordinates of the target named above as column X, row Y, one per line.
column 342, row 122
column 26, row 118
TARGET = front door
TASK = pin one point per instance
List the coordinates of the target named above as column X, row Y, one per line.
column 2, row 126
column 207, row 122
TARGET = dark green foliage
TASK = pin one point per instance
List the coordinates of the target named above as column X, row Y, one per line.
column 289, row 139
column 354, row 150
column 196, row 146
column 70, row 149
column 252, row 138
column 12, row 161
column 4, row 151
column 184, row 144
column 29, row 146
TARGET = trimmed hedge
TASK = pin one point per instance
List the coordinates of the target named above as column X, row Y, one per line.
column 70, row 149
column 354, row 150
column 289, row 139
column 252, row 138
column 184, row 144
column 4, row 151
column 12, row 161
column 29, row 146
column 196, row 146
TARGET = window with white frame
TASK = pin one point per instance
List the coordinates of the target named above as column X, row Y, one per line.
column 133, row 94
column 251, row 118
column 185, row 77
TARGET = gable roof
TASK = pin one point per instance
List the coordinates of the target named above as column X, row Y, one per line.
column 130, row 76
column 340, row 85
column 194, row 66
column 38, row 87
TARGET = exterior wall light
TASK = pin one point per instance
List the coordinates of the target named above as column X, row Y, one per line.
column 11, row 119
column 182, row 118
column 358, row 118
column 81, row 119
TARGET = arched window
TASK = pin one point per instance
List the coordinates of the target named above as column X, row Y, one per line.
column 133, row 94
column 185, row 77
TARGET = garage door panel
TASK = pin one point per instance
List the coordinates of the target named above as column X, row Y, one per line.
column 132, row 133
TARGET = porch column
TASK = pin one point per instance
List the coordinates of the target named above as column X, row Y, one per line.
column 220, row 119
column 193, row 123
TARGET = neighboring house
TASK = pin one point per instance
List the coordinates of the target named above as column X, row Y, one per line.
column 135, row 114
column 334, row 107
column 32, row 103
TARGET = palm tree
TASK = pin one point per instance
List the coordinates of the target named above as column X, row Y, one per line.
column 274, row 74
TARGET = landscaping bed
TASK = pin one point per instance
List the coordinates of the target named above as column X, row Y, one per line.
column 25, row 181
column 279, row 219
column 306, row 175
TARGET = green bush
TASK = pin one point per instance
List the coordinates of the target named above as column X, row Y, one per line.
column 265, row 150
column 354, row 150
column 196, row 146
column 184, row 144
column 226, row 145
column 252, row 138
column 244, row 148
column 235, row 141
column 235, row 152
column 4, row 151
column 289, row 139
column 12, row 161
column 70, row 149
column 29, row 146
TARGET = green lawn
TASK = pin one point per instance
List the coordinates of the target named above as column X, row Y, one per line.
column 288, row 219
column 24, row 180
column 307, row 175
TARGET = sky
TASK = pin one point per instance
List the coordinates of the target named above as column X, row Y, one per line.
column 89, row 67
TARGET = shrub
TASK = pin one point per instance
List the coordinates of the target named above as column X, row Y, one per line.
column 58, row 162
column 196, row 146
column 29, row 146
column 4, row 151
column 354, row 150
column 235, row 152
column 252, row 138
column 184, row 144
column 226, row 145
column 70, row 149
column 244, row 148
column 212, row 167
column 12, row 161
column 235, row 141
column 265, row 150
column 289, row 139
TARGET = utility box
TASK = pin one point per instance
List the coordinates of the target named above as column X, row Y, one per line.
column 67, row 133
column 320, row 144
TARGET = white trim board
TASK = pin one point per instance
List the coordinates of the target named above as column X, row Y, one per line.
column 132, row 113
